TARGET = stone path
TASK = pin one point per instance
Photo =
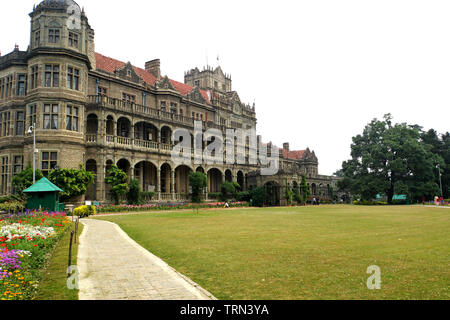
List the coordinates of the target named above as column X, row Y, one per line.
column 112, row 266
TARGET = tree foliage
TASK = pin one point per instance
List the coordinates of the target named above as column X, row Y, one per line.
column 197, row 181
column 229, row 190
column 258, row 196
column 305, row 190
column 134, row 193
column 73, row 182
column 391, row 158
column 24, row 179
column 117, row 179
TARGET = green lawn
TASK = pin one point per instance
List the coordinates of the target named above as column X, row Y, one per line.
column 303, row 252
column 54, row 283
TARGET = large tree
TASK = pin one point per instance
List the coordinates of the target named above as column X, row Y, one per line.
column 391, row 158
column 73, row 182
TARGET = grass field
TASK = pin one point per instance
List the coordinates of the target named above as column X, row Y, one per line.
column 54, row 283
column 303, row 252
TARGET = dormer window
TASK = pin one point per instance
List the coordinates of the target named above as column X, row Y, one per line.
column 73, row 40
column 129, row 73
column 53, row 35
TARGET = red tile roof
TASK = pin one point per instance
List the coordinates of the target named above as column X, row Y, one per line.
column 110, row 65
column 294, row 155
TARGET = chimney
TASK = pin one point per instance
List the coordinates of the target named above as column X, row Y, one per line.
column 154, row 67
column 286, row 146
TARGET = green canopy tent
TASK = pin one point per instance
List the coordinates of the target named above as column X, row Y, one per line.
column 44, row 195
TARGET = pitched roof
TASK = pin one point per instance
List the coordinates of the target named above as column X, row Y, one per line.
column 294, row 155
column 43, row 185
column 110, row 65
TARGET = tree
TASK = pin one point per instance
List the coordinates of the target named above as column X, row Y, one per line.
column 24, row 180
column 305, row 190
column 258, row 196
column 117, row 179
column 387, row 156
column 197, row 181
column 134, row 193
column 229, row 190
column 289, row 194
column 73, row 182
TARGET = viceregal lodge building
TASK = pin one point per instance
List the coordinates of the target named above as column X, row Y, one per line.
column 93, row 110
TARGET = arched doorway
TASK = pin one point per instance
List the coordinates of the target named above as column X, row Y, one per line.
column 91, row 192
column 313, row 189
column 108, row 167
column 146, row 173
column 182, row 179
column 166, row 135
column 145, row 131
column 125, row 166
column 123, row 128
column 200, row 169
column 215, row 180
column 110, row 126
column 165, row 178
column 241, row 180
column 228, row 176
column 272, row 190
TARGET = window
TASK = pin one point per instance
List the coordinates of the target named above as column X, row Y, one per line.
column 51, row 75
column 2, row 87
column 72, row 120
column 223, row 87
column 22, row 84
column 20, row 125
column 173, row 108
column 181, row 112
column 34, row 77
column 32, row 115
column 128, row 98
column 197, row 83
column 216, row 84
column 51, row 116
column 49, row 162
column 73, row 40
column 53, row 35
column 9, row 81
column 37, row 38
column 18, row 165
column 163, row 106
column 5, row 119
column 4, row 174
column 73, row 78
column 102, row 91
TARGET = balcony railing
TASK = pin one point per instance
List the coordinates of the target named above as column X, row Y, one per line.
column 128, row 106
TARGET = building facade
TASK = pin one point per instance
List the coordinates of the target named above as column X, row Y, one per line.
column 92, row 110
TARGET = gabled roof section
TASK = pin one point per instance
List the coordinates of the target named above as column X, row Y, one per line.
column 110, row 65
column 294, row 155
column 43, row 185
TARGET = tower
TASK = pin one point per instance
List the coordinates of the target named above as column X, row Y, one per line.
column 60, row 55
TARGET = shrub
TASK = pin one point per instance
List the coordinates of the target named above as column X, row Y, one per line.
column 369, row 203
column 24, row 179
column 197, row 181
column 12, row 206
column 258, row 197
column 228, row 190
column 85, row 211
column 147, row 196
column 73, row 182
column 243, row 196
column 117, row 179
column 134, row 192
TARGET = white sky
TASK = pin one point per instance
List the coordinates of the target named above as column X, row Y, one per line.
column 318, row 70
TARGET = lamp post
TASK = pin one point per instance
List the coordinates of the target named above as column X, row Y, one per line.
column 440, row 179
column 31, row 130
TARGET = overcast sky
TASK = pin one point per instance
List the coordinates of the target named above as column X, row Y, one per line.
column 318, row 70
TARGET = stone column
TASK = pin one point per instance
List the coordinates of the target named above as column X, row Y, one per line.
column 158, row 183
column 172, row 183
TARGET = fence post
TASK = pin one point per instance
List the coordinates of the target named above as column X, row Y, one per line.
column 70, row 254
column 76, row 229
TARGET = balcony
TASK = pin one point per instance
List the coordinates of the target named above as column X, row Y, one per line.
column 121, row 105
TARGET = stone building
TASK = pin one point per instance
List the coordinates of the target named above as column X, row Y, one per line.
column 92, row 110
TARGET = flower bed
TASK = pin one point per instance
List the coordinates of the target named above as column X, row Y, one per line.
column 167, row 206
column 26, row 241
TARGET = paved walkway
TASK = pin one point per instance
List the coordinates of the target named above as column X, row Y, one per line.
column 112, row 266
